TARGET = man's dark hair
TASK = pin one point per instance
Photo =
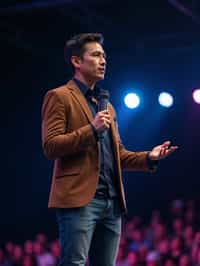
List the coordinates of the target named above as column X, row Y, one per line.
column 76, row 45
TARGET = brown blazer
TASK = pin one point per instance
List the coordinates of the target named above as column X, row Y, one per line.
column 68, row 138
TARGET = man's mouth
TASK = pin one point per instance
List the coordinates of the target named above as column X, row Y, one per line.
column 102, row 70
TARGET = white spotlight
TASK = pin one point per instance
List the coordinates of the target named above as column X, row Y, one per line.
column 165, row 99
column 196, row 96
column 132, row 100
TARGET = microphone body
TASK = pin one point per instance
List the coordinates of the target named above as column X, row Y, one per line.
column 103, row 100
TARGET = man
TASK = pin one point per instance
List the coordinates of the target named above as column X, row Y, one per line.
column 87, row 188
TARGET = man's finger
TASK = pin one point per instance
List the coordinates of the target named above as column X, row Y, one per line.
column 171, row 150
column 104, row 112
column 166, row 144
column 162, row 151
column 106, row 116
column 106, row 120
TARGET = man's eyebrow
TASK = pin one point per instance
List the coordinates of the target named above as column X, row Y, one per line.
column 99, row 52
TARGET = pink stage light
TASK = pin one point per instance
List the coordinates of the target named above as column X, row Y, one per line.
column 196, row 96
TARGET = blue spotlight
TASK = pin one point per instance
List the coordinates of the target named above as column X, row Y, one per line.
column 165, row 99
column 132, row 100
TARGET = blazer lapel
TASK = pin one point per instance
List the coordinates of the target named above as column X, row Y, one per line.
column 113, row 131
column 80, row 98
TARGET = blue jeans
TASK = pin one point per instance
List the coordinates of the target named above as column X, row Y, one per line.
column 91, row 231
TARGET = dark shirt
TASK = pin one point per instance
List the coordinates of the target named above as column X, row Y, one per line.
column 107, row 186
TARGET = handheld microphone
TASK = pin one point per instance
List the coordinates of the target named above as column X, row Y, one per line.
column 103, row 99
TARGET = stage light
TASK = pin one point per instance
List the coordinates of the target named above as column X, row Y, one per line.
column 165, row 99
column 196, row 96
column 132, row 100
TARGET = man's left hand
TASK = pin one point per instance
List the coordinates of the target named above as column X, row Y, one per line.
column 162, row 151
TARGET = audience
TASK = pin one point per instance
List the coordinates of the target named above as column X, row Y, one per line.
column 170, row 241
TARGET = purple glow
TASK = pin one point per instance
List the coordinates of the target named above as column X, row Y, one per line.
column 196, row 96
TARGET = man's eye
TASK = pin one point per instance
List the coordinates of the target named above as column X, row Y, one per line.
column 99, row 55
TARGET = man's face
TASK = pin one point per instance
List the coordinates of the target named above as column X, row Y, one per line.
column 92, row 65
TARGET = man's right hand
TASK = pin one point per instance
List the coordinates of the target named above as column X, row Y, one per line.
column 101, row 121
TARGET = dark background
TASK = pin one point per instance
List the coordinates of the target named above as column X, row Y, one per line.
column 151, row 46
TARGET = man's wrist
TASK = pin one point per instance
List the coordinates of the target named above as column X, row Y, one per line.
column 153, row 164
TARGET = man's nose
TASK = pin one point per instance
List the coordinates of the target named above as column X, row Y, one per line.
column 103, row 61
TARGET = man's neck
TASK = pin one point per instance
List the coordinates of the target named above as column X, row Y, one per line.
column 89, row 83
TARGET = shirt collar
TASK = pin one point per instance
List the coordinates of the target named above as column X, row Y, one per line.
column 86, row 90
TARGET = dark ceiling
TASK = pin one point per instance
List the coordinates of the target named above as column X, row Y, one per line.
column 34, row 25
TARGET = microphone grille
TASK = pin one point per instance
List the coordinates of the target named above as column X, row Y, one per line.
column 104, row 94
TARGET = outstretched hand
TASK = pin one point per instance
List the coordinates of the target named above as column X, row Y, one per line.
column 162, row 151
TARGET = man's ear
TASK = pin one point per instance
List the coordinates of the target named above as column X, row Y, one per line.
column 76, row 61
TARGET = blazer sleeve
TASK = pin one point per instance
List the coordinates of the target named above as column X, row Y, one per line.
column 56, row 141
column 131, row 160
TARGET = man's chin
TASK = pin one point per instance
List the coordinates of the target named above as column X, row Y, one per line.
column 100, row 77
